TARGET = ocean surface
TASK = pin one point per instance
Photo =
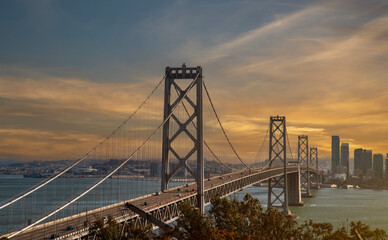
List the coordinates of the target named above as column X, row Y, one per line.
column 337, row 206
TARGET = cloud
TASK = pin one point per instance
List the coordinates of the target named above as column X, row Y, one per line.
column 322, row 65
column 319, row 76
column 31, row 144
column 245, row 39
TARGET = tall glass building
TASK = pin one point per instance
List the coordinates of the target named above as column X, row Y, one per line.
column 378, row 160
column 345, row 159
column 367, row 158
column 358, row 161
column 335, row 154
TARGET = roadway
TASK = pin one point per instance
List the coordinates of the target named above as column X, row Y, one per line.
column 146, row 203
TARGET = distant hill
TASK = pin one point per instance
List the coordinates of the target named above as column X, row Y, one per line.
column 5, row 162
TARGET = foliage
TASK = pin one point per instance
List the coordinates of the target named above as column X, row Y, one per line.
column 246, row 220
column 234, row 220
column 112, row 230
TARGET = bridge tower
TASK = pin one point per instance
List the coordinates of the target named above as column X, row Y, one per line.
column 314, row 158
column 303, row 160
column 181, row 73
column 278, row 157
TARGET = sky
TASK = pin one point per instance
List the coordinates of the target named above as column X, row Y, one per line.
column 72, row 71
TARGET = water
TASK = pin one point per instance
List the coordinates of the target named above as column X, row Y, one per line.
column 61, row 190
column 337, row 206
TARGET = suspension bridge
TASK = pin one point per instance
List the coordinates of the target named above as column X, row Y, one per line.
column 175, row 133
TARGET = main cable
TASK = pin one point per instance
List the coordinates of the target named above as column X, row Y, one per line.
column 289, row 147
column 204, row 141
column 261, row 147
column 87, row 154
column 222, row 128
column 111, row 173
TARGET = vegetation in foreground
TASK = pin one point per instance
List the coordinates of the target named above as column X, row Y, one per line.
column 234, row 220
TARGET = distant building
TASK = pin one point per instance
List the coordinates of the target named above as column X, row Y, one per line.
column 378, row 160
column 155, row 169
column 335, row 154
column 358, row 161
column 89, row 169
column 367, row 160
column 345, row 159
column 181, row 173
column 386, row 166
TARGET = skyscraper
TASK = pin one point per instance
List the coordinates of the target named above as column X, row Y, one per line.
column 335, row 154
column 345, row 159
column 358, row 161
column 378, row 160
column 367, row 161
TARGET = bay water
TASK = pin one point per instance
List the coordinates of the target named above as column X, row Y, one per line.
column 337, row 206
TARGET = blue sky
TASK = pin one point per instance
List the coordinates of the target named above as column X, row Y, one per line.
column 320, row 63
column 105, row 40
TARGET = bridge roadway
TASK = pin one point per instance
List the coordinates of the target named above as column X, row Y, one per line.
column 163, row 206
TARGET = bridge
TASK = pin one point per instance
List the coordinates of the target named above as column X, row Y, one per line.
column 184, row 139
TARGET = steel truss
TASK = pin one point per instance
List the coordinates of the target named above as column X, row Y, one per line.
column 169, row 211
column 303, row 160
column 314, row 160
column 173, row 74
column 278, row 157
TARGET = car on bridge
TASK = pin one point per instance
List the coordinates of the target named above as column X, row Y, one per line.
column 70, row 227
column 54, row 236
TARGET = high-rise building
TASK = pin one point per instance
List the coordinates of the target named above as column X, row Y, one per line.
column 335, row 154
column 345, row 159
column 358, row 161
column 378, row 160
column 367, row 161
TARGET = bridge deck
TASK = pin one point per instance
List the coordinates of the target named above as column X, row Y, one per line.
column 163, row 206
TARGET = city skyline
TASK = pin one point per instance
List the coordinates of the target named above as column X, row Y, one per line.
column 72, row 72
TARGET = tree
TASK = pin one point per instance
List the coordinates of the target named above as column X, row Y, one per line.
column 364, row 231
column 112, row 230
column 234, row 220
column 246, row 220
column 191, row 224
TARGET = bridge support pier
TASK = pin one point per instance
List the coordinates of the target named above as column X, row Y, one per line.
column 293, row 187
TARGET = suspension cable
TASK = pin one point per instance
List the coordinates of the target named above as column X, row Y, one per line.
column 289, row 146
column 87, row 154
column 222, row 128
column 261, row 147
column 114, row 171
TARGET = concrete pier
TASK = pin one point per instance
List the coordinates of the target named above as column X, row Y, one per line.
column 294, row 192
